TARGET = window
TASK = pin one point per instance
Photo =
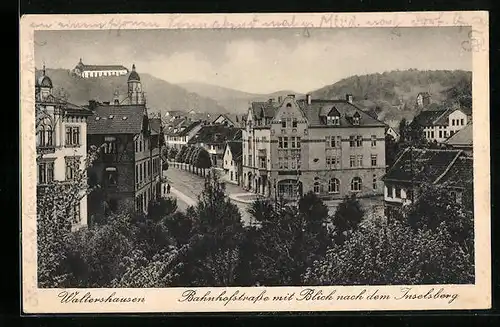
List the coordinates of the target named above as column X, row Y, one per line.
column 355, row 119
column 352, row 141
column 109, row 146
column 298, row 143
column 75, row 212
column 293, row 142
column 374, row 160
column 231, row 175
column 389, row 191
column 283, row 123
column 136, row 174
column 440, row 134
column 356, row 184
column 360, row 161
column 374, row 141
column 461, row 121
column 316, row 186
column 333, row 185
column 111, row 176
column 73, row 136
column 359, row 141
column 285, row 142
column 280, row 142
column 294, row 122
column 374, row 181
column 140, row 173
column 432, row 134
column 453, row 122
column 352, row 161
column 332, row 141
column 72, row 165
column 45, row 172
column 398, row 193
column 409, row 195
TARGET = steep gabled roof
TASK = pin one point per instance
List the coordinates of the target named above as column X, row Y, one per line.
column 461, row 138
column 236, row 148
column 68, row 107
column 263, row 109
column 421, row 165
column 189, row 128
column 460, row 173
column 122, row 119
column 429, row 117
column 155, row 124
column 347, row 110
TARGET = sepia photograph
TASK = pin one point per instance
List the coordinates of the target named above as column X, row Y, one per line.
column 200, row 158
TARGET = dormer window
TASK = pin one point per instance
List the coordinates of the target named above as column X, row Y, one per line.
column 288, row 105
column 333, row 120
column 355, row 118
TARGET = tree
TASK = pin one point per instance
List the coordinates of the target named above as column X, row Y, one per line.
column 380, row 253
column 347, row 218
column 203, row 160
column 172, row 153
column 391, row 150
column 180, row 155
column 403, row 126
column 56, row 203
column 287, row 239
column 216, row 237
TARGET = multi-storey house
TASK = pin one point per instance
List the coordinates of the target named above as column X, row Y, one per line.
column 181, row 136
column 330, row 147
column 232, row 162
column 440, row 122
column 128, row 169
column 214, row 138
column 413, row 167
column 61, row 140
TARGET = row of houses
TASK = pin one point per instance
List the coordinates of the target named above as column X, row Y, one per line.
column 128, row 168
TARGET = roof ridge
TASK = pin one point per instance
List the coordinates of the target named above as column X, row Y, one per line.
column 396, row 161
column 449, row 167
column 444, row 113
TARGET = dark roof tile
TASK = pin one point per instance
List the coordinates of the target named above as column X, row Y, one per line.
column 421, row 165
column 110, row 119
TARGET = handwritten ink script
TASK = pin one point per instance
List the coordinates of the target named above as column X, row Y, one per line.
column 312, row 294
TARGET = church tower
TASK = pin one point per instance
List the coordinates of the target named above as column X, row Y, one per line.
column 135, row 93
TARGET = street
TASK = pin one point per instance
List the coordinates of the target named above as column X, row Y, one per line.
column 186, row 187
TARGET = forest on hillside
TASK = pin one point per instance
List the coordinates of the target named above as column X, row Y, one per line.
column 393, row 94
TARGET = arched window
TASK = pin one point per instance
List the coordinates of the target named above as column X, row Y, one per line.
column 356, row 184
column 333, row 185
column 41, row 135
column 316, row 186
column 50, row 136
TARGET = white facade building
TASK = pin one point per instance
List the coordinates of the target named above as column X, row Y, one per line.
column 61, row 130
column 90, row 71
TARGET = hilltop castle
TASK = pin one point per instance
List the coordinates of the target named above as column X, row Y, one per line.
column 88, row 71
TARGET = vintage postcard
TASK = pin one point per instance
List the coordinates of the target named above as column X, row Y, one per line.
column 255, row 162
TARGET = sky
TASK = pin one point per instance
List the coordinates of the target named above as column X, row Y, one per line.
column 259, row 60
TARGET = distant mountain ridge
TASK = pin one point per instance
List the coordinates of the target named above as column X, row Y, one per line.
column 233, row 100
column 161, row 96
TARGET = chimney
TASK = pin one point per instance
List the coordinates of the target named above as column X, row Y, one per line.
column 348, row 98
column 92, row 104
column 308, row 98
column 280, row 98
